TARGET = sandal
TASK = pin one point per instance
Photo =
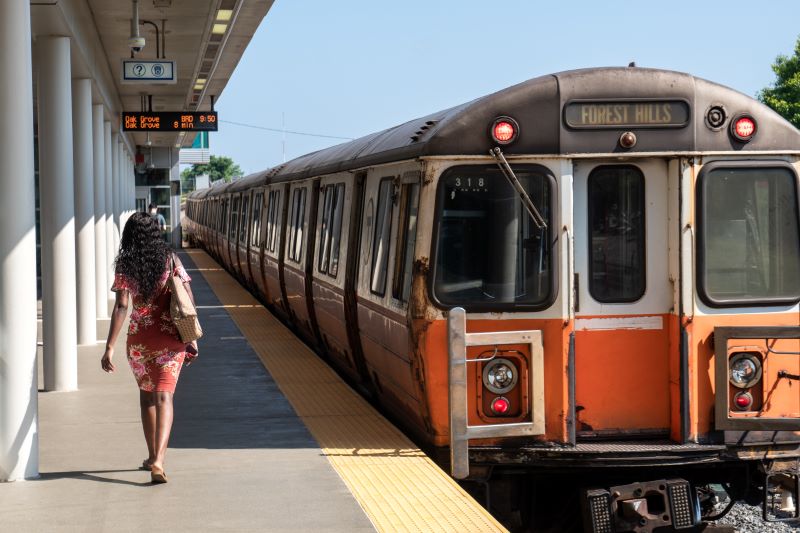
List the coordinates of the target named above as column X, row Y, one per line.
column 157, row 475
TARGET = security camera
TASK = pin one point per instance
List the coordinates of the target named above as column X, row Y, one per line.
column 136, row 43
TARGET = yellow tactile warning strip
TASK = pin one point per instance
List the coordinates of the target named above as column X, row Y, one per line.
column 396, row 484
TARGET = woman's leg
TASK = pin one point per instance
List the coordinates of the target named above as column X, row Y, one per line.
column 147, row 404
column 163, row 404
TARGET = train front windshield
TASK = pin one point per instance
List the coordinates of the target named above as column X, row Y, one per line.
column 490, row 253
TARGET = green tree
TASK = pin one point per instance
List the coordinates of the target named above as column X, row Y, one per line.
column 784, row 95
column 218, row 168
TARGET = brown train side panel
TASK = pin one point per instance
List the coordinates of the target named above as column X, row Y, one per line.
column 256, row 277
column 294, row 283
column 272, row 279
column 329, row 311
column 386, row 345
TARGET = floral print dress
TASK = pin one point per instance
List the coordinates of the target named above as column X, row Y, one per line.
column 155, row 350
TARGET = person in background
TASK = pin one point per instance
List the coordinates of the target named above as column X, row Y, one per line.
column 162, row 223
column 155, row 351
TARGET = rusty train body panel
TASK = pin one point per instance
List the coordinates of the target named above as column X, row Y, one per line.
column 651, row 253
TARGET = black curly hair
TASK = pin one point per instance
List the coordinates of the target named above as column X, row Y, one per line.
column 143, row 254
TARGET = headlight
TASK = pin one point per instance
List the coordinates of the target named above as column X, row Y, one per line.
column 745, row 370
column 500, row 375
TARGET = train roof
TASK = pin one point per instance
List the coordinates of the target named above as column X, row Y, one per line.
column 538, row 106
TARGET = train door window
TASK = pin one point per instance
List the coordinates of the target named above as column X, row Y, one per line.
column 336, row 233
column 272, row 219
column 255, row 226
column 748, row 239
column 325, row 229
column 216, row 208
column 224, row 223
column 244, row 219
column 234, row 219
column 331, row 229
column 616, row 234
column 381, row 240
column 409, row 205
column 296, row 225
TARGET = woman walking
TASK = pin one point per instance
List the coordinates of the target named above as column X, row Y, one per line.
column 155, row 351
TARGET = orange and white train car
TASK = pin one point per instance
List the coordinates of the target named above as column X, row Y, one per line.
column 592, row 269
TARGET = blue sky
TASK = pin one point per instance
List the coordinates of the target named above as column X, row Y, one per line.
column 350, row 67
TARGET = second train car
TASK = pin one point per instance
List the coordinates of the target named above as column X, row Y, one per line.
column 594, row 273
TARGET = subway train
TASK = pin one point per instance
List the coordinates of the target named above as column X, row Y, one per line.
column 579, row 292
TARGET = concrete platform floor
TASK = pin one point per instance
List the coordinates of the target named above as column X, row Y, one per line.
column 239, row 459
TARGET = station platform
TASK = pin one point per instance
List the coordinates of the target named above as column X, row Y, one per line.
column 266, row 437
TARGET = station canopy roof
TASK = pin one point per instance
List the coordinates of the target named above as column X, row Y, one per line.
column 205, row 39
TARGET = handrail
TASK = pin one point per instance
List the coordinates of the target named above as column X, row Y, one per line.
column 460, row 430
column 570, row 272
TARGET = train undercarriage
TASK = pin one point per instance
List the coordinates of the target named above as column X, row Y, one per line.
column 641, row 487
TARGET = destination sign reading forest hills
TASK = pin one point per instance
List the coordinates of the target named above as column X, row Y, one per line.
column 637, row 113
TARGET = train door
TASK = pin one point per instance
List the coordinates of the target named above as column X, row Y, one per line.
column 624, row 322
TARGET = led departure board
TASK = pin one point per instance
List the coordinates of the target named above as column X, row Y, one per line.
column 627, row 114
column 169, row 121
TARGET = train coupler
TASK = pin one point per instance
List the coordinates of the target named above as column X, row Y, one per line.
column 641, row 507
column 781, row 497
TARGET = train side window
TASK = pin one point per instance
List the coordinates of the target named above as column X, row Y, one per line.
column 336, row 233
column 331, row 229
column 216, row 210
column 255, row 225
column 226, row 207
column 234, row 219
column 272, row 219
column 244, row 219
column 381, row 240
column 325, row 230
column 617, row 234
column 297, row 220
column 409, row 206
column 748, row 238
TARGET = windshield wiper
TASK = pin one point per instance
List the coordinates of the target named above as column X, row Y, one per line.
column 505, row 168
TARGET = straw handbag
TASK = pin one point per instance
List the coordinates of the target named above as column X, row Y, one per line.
column 182, row 310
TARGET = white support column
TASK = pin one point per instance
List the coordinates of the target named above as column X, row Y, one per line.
column 84, row 209
column 102, row 283
column 57, row 215
column 111, row 247
column 131, row 185
column 115, row 180
column 132, row 175
column 19, row 420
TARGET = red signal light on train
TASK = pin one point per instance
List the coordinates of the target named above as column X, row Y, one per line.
column 504, row 130
column 743, row 401
column 500, row 406
column 743, row 128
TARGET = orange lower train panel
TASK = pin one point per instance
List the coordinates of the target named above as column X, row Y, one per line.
column 433, row 344
column 780, row 397
column 625, row 377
